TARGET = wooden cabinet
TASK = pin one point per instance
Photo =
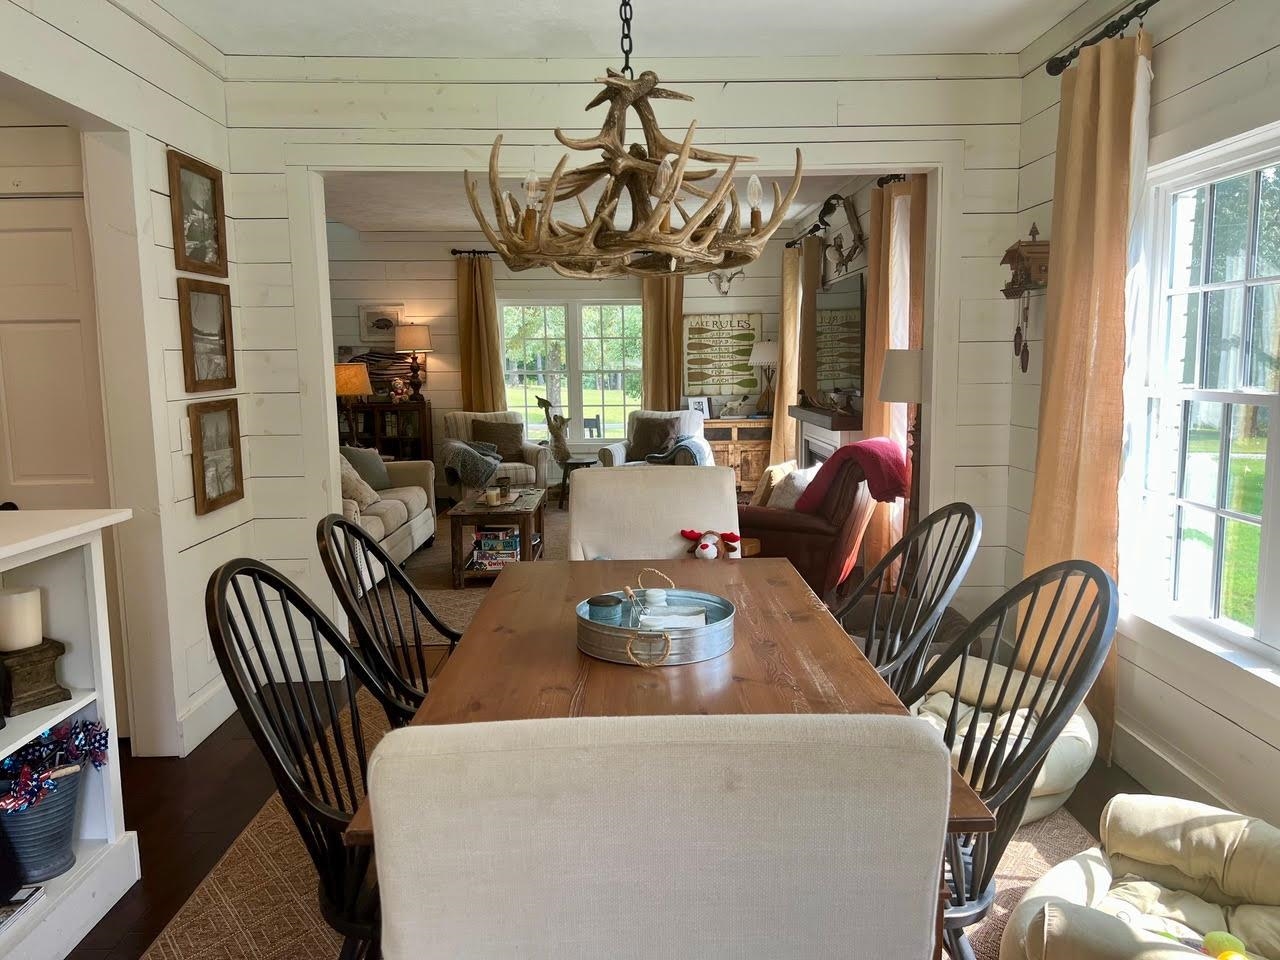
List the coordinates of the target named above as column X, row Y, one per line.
column 743, row 445
column 401, row 431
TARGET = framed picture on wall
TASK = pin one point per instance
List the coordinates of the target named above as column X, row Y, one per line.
column 215, row 454
column 208, row 348
column 199, row 216
column 378, row 322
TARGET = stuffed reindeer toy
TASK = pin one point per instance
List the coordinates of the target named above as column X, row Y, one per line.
column 710, row 545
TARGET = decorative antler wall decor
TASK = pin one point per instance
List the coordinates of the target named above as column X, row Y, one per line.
column 664, row 236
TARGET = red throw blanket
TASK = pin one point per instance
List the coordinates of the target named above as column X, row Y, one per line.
column 882, row 460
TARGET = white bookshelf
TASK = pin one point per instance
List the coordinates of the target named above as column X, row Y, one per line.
column 60, row 551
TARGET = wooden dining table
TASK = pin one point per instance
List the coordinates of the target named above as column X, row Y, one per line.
column 518, row 659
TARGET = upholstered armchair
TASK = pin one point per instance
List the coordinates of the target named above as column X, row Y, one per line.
column 1168, row 871
column 690, row 425
column 531, row 473
column 823, row 545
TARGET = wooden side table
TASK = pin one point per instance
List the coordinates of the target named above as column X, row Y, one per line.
column 526, row 513
column 570, row 465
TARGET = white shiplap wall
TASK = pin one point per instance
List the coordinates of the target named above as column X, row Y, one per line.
column 1190, row 722
column 873, row 113
column 37, row 157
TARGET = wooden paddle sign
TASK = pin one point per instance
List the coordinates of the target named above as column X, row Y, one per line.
column 717, row 350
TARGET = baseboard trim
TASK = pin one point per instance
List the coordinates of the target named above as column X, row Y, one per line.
column 204, row 714
column 1162, row 768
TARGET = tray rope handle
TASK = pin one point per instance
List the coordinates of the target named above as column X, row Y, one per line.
column 666, row 648
column 658, row 573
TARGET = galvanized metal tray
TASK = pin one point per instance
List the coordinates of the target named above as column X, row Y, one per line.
column 625, row 643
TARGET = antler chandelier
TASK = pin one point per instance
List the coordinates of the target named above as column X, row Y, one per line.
column 679, row 222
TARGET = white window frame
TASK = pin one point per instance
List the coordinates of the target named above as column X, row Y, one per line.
column 1258, row 149
column 573, row 353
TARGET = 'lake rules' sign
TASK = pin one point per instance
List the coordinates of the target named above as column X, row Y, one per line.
column 717, row 347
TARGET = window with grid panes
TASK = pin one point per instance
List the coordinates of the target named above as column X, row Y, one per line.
column 1213, row 384
column 584, row 356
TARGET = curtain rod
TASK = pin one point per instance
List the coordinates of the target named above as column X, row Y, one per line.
column 1054, row 66
column 455, row 252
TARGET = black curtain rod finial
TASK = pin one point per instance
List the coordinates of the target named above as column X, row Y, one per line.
column 455, row 252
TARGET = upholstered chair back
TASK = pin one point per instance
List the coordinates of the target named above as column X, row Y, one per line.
column 457, row 423
column 678, row 837
column 620, row 513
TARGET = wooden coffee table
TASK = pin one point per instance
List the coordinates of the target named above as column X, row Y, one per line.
column 525, row 513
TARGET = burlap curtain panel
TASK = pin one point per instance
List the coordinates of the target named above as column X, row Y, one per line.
column 1102, row 137
column 894, row 321
column 787, row 377
column 479, row 337
column 663, row 343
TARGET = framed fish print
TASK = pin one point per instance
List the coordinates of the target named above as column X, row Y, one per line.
column 215, row 454
column 208, row 348
column 199, row 216
column 378, row 322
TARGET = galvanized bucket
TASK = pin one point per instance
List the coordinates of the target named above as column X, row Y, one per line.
column 39, row 838
column 659, row 648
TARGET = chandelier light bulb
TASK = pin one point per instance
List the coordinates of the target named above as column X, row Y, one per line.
column 532, row 190
column 509, row 202
column 662, row 177
column 755, row 192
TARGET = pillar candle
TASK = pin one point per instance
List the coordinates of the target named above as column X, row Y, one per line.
column 20, row 621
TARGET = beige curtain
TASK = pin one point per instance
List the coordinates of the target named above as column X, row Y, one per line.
column 479, row 337
column 894, row 321
column 663, row 343
column 1075, row 503
column 787, row 377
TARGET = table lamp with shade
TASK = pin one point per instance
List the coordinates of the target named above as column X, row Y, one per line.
column 765, row 356
column 414, row 338
column 351, row 380
column 902, row 381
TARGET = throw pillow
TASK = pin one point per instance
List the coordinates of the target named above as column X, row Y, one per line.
column 354, row 487
column 790, row 487
column 369, row 465
column 653, row 435
column 769, row 480
column 507, row 437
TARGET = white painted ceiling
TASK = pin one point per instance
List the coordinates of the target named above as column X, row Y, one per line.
column 407, row 200
column 574, row 28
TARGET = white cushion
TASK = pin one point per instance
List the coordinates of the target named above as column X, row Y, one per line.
column 791, row 487
column 686, row 837
column 413, row 498
column 354, row 486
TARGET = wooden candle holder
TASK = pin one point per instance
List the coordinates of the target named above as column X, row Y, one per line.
column 30, row 678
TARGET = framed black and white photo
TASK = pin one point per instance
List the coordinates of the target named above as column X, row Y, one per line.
column 215, row 454
column 378, row 322
column 208, row 348
column 701, row 404
column 199, row 216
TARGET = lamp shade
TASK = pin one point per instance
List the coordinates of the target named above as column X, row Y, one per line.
column 902, row 379
column 352, row 380
column 764, row 354
column 413, row 338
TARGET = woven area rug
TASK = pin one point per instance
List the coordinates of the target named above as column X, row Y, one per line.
column 259, row 902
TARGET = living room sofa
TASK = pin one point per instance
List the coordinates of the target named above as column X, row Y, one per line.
column 403, row 518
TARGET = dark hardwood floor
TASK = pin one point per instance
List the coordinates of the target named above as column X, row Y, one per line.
column 187, row 813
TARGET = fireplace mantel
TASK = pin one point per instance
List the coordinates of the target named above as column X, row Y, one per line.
column 833, row 420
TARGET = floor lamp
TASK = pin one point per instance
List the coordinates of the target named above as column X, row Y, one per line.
column 351, row 380
column 902, row 381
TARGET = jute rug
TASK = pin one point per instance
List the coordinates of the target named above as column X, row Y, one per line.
column 259, row 902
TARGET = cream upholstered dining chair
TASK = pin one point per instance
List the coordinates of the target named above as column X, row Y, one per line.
column 676, row 837
column 617, row 514
column 530, row 472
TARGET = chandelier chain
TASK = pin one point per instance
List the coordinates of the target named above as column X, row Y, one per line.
column 624, row 11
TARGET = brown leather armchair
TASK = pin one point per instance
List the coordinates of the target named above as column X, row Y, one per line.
column 824, row 545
